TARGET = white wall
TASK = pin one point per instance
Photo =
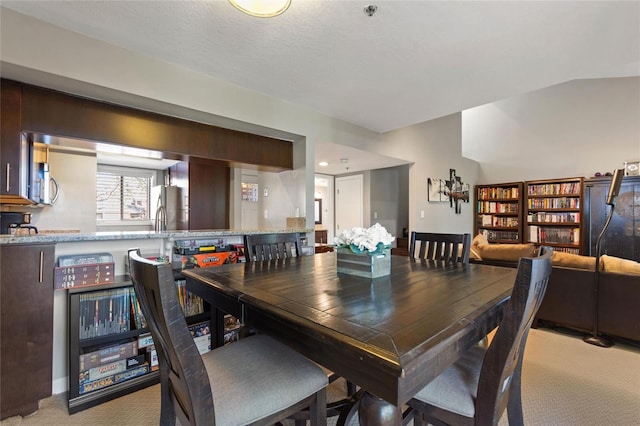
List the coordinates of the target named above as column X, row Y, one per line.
column 572, row 129
column 434, row 148
column 75, row 208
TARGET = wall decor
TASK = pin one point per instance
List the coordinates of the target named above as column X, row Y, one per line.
column 457, row 191
column 436, row 190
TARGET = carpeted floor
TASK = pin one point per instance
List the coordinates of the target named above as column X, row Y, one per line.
column 565, row 382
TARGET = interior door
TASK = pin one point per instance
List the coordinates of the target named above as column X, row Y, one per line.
column 349, row 202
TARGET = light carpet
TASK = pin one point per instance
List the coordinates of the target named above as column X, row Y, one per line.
column 565, row 382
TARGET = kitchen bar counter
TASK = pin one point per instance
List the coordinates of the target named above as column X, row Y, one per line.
column 137, row 235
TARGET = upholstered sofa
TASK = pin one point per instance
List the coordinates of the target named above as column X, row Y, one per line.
column 569, row 300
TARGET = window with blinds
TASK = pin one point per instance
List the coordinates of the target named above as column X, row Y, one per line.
column 123, row 194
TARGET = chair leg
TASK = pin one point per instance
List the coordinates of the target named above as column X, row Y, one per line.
column 318, row 410
column 351, row 388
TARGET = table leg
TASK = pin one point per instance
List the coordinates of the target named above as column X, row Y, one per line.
column 374, row 411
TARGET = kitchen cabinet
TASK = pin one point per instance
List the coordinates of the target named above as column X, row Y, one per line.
column 207, row 184
column 622, row 238
column 26, row 326
column 14, row 148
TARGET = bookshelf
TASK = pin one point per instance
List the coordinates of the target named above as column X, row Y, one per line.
column 554, row 213
column 499, row 212
column 110, row 349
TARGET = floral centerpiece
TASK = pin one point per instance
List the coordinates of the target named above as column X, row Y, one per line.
column 365, row 240
column 364, row 251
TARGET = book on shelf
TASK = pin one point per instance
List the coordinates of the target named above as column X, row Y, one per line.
column 201, row 333
column 136, row 312
column 85, row 259
column 554, row 235
column 102, row 371
column 562, row 188
column 145, row 340
column 190, row 303
column 104, row 312
column 106, row 354
column 83, row 275
column 554, row 203
column 113, row 379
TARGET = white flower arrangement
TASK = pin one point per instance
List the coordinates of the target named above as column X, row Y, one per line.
column 370, row 240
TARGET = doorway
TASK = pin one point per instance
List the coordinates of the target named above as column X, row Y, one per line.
column 349, row 202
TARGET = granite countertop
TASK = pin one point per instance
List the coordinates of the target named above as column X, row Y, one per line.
column 135, row 235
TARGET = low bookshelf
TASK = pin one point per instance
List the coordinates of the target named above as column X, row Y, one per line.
column 111, row 351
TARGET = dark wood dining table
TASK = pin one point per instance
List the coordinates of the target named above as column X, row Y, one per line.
column 390, row 335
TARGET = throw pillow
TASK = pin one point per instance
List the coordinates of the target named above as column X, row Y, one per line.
column 478, row 240
column 571, row 260
column 616, row 264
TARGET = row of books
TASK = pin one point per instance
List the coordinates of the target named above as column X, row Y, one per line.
column 541, row 234
column 110, row 365
column 500, row 235
column 112, row 311
column 490, row 220
column 190, row 303
column 554, row 203
column 84, row 270
column 569, row 217
column 498, row 193
column 104, row 312
column 497, row 207
column 566, row 188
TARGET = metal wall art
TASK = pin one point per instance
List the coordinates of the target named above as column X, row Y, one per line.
column 453, row 190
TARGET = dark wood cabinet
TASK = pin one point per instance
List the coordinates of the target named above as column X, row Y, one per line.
column 207, row 184
column 26, row 326
column 622, row 238
column 14, row 149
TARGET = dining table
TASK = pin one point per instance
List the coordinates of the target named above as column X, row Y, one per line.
column 389, row 335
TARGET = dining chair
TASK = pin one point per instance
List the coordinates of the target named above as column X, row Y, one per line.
column 477, row 388
column 436, row 246
column 265, row 247
column 255, row 381
column 259, row 247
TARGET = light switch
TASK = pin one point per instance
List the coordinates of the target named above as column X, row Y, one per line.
column 266, row 214
column 421, row 214
column 375, row 215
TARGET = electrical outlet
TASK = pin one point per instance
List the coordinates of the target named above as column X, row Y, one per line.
column 375, row 215
column 266, row 214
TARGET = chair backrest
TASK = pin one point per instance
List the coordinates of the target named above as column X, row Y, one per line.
column 504, row 356
column 445, row 247
column 185, row 388
column 259, row 247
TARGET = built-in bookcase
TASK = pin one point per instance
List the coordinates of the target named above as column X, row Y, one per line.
column 111, row 351
column 554, row 213
column 499, row 212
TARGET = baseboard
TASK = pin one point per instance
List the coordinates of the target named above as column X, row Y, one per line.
column 59, row 386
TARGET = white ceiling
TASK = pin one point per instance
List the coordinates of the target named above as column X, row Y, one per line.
column 410, row 62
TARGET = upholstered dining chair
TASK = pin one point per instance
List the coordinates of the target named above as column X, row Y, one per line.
column 253, row 381
column 435, row 246
column 259, row 247
column 266, row 247
column 477, row 388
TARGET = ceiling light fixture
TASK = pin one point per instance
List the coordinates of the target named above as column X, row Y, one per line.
column 323, row 164
column 261, row 8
